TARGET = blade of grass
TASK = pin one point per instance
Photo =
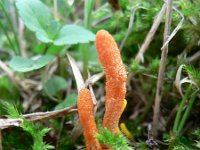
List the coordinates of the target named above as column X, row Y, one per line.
column 180, row 109
column 88, row 6
column 186, row 114
column 7, row 36
column 10, row 25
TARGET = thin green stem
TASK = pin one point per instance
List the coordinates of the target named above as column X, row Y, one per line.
column 7, row 36
column 186, row 114
column 10, row 24
column 85, row 58
column 180, row 109
column 89, row 5
column 70, row 11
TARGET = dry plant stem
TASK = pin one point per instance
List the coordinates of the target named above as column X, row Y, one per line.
column 86, row 116
column 21, row 39
column 6, row 123
column 150, row 35
column 133, row 9
column 77, row 73
column 10, row 74
column 131, row 22
column 1, row 148
column 109, row 56
column 20, row 84
column 194, row 57
column 162, row 69
column 175, row 30
column 53, row 114
column 55, row 8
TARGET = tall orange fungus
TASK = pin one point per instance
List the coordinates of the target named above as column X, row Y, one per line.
column 110, row 58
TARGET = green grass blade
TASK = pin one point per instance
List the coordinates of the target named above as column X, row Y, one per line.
column 186, row 114
column 10, row 24
column 180, row 109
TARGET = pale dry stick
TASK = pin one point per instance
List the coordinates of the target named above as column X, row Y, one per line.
column 162, row 70
column 1, row 148
column 192, row 20
column 130, row 25
column 94, row 78
column 21, row 85
column 51, row 114
column 21, row 38
column 194, row 57
column 12, row 13
column 175, row 30
column 55, row 8
column 150, row 35
column 78, row 77
column 10, row 74
column 94, row 100
column 6, row 123
column 178, row 80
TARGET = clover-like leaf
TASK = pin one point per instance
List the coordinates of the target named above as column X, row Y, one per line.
column 22, row 64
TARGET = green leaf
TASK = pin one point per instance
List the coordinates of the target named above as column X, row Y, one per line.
column 55, row 84
column 73, row 34
column 37, row 17
column 69, row 101
column 22, row 64
column 34, row 14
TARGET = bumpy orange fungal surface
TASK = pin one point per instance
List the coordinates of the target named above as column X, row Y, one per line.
column 110, row 58
column 87, row 120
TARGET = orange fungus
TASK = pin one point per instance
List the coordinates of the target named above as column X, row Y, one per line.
column 110, row 58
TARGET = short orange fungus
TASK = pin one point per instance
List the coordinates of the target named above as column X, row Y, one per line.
column 86, row 115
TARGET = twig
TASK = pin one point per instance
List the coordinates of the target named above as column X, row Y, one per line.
column 194, row 57
column 6, row 123
column 130, row 25
column 52, row 114
column 94, row 78
column 162, row 69
column 55, row 9
column 21, row 39
column 9, row 73
column 150, row 35
column 21, row 85
column 175, row 30
column 1, row 148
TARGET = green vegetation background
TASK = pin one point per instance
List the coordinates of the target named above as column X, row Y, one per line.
column 33, row 28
